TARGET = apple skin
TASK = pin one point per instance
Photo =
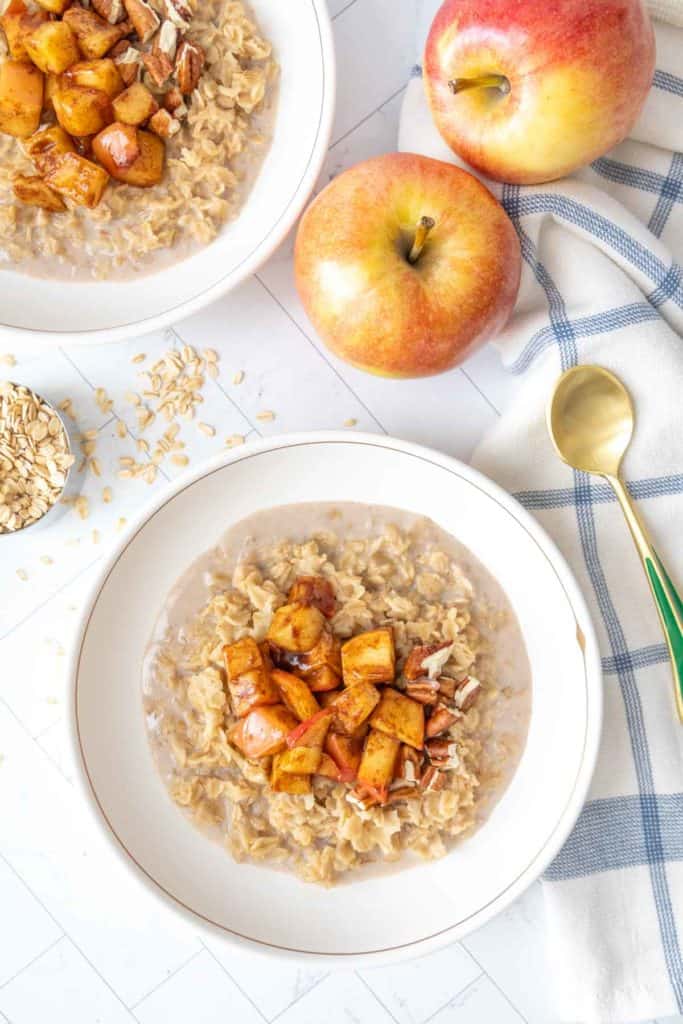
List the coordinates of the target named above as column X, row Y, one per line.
column 368, row 303
column 579, row 72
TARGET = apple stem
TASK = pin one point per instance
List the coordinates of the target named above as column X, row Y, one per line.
column 424, row 226
column 499, row 82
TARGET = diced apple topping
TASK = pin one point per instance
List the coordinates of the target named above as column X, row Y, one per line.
column 295, row 694
column 47, row 146
column 135, row 105
column 354, row 706
column 263, row 732
column 346, row 752
column 147, row 168
column 82, row 111
column 52, row 47
column 377, row 764
column 315, row 590
column 96, row 74
column 296, row 627
column 35, row 192
column 249, row 682
column 282, row 781
column 18, row 23
column 21, row 98
column 95, row 35
column 401, row 717
column 369, row 657
column 80, row 180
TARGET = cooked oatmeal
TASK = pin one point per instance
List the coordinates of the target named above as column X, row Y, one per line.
column 460, row 663
column 211, row 161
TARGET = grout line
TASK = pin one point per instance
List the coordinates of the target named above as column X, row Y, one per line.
column 477, row 388
column 457, row 995
column 343, row 10
column 171, row 974
column 33, row 959
column 222, row 390
column 229, row 975
column 320, row 354
column 374, row 994
column 62, row 587
column 367, row 117
column 65, row 935
column 494, row 983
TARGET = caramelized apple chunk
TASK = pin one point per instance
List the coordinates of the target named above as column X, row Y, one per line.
column 285, row 782
column 47, row 146
column 81, row 110
column 21, row 98
column 345, row 752
column 369, row 657
column 96, row 74
column 80, row 180
column 52, row 47
column 263, row 732
column 314, row 590
column 35, row 192
column 295, row 694
column 376, row 769
column 400, row 717
column 146, row 170
column 249, row 681
column 135, row 105
column 353, row 706
column 18, row 22
column 306, row 744
column 295, row 627
column 95, row 35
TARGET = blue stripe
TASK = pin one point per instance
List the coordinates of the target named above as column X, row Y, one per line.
column 669, row 288
column 585, row 327
column 670, row 83
column 626, row 174
column 642, row 657
column 609, row 836
column 651, row 821
column 416, row 71
column 601, row 494
column 671, row 191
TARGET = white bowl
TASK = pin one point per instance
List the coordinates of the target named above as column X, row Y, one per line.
column 35, row 309
column 386, row 913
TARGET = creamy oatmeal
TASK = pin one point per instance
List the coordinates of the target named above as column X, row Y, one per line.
column 335, row 685
column 141, row 144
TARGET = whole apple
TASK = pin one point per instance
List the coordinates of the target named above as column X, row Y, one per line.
column 529, row 90
column 405, row 265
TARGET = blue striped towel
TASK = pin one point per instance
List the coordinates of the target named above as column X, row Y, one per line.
column 601, row 284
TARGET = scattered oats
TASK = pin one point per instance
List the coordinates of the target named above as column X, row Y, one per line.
column 8, row 360
column 89, row 435
column 22, row 574
column 125, row 474
column 121, row 428
column 266, row 416
column 235, row 440
column 104, row 403
column 212, row 370
column 139, row 358
column 179, row 460
column 206, row 429
column 67, row 407
column 132, row 398
column 150, row 473
column 96, row 536
column 106, row 495
column 126, row 461
column 121, row 523
column 88, row 447
column 239, row 377
column 142, row 445
column 351, row 422
column 96, row 467
column 82, row 506
column 34, row 457
column 210, row 355
column 46, row 560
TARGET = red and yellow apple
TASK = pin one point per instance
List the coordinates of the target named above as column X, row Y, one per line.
column 527, row 91
column 405, row 265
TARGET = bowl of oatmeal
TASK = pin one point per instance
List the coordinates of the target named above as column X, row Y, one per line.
column 152, row 154
column 355, row 673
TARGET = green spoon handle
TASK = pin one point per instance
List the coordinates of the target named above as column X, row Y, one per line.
column 666, row 598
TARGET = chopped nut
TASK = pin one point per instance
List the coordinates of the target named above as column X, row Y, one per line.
column 159, row 68
column 432, row 779
column 128, row 61
column 467, row 693
column 427, row 660
column 144, row 18
column 189, row 63
column 424, row 691
column 164, row 124
column 409, row 765
column 442, row 754
column 178, row 12
column 447, row 687
column 112, row 11
column 441, row 719
column 166, row 41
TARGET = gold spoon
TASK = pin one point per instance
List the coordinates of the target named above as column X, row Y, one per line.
column 591, row 419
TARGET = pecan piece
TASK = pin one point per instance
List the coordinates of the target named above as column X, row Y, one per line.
column 441, row 719
column 415, row 662
column 112, row 11
column 432, row 779
column 178, row 12
column 164, row 124
column 166, row 41
column 188, row 66
column 447, row 687
column 145, row 20
column 467, row 693
column 128, row 60
column 360, row 798
column 175, row 104
column 424, row 691
column 442, row 754
column 409, row 765
column 159, row 67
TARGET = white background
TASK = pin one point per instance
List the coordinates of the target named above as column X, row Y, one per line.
column 78, row 943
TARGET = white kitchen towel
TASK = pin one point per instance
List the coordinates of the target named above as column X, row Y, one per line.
column 601, row 284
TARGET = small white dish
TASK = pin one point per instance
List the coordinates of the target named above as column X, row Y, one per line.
column 388, row 912
column 57, row 312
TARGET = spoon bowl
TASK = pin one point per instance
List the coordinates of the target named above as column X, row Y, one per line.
column 591, row 419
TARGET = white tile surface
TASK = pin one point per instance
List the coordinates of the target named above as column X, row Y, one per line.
column 124, row 956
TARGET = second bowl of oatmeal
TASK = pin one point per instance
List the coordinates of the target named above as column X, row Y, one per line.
column 356, row 672
column 157, row 154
